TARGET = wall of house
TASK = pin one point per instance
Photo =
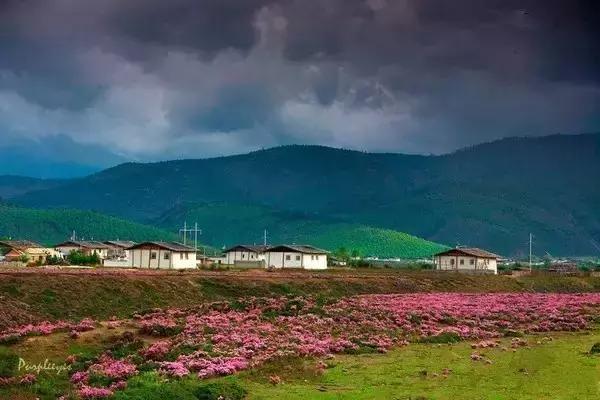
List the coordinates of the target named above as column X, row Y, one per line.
column 163, row 259
column 117, row 253
column 232, row 256
column 116, row 263
column 315, row 261
column 284, row 259
column 66, row 250
column 466, row 263
column 296, row 260
column 184, row 260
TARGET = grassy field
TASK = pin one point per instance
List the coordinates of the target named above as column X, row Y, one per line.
column 552, row 370
column 557, row 369
column 546, row 369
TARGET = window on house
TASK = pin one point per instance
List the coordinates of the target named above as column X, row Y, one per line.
column 462, row 262
column 243, row 256
column 297, row 258
column 452, row 261
column 472, row 261
column 167, row 256
column 153, row 255
column 251, row 255
column 288, row 257
column 316, row 257
column 181, row 256
column 187, row 256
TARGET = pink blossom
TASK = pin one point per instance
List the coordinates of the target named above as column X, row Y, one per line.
column 90, row 392
column 111, row 368
column 176, row 369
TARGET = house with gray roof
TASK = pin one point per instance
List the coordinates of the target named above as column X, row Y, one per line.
column 467, row 259
column 162, row 255
column 277, row 256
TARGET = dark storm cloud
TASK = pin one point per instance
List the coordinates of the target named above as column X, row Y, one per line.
column 206, row 25
column 156, row 79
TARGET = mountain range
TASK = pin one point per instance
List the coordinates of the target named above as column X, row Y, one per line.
column 491, row 195
column 53, row 157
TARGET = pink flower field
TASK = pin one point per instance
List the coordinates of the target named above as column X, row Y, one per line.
column 223, row 338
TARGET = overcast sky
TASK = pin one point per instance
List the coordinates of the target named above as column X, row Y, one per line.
column 156, row 79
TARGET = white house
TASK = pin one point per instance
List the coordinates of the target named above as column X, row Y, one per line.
column 162, row 255
column 245, row 255
column 467, row 259
column 86, row 247
column 118, row 254
column 296, row 256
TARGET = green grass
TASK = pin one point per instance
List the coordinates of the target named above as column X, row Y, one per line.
column 561, row 369
column 556, row 370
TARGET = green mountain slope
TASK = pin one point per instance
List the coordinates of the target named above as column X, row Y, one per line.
column 492, row 195
column 53, row 226
column 12, row 185
column 224, row 225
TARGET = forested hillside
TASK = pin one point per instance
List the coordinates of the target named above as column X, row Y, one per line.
column 225, row 225
column 492, row 195
column 50, row 227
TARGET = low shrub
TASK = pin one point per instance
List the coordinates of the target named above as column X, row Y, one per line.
column 595, row 348
column 124, row 348
column 9, row 340
column 445, row 337
column 512, row 333
column 226, row 389
column 9, row 363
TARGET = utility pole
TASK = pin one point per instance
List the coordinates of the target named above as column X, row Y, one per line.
column 265, row 238
column 195, row 230
column 184, row 232
column 530, row 246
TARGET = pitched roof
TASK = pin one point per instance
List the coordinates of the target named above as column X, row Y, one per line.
column 173, row 246
column 298, row 248
column 120, row 243
column 248, row 247
column 19, row 244
column 470, row 251
column 86, row 244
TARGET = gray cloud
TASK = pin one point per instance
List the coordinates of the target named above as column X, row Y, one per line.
column 189, row 78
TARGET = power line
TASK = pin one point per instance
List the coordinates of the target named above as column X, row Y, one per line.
column 195, row 230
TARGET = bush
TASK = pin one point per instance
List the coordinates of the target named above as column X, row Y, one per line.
column 445, row 337
column 227, row 389
column 77, row 257
column 595, row 348
column 9, row 363
column 54, row 260
column 124, row 348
